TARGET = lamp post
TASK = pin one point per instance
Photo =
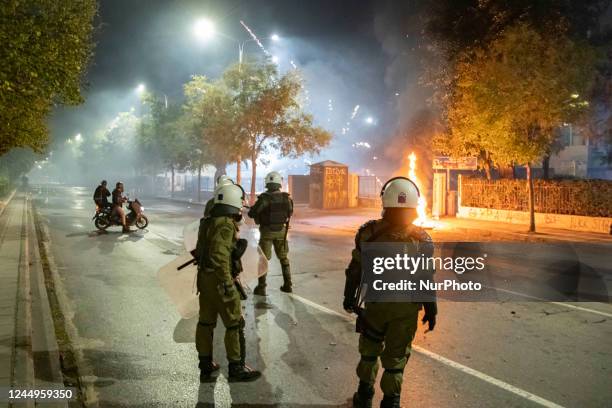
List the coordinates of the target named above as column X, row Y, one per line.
column 204, row 30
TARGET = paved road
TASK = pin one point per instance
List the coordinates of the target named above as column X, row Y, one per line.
column 139, row 352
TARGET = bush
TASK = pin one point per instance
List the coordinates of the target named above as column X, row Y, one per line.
column 574, row 197
column 4, row 186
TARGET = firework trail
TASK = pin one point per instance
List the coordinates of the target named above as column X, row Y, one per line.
column 252, row 34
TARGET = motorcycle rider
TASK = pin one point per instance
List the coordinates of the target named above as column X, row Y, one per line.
column 101, row 195
column 118, row 200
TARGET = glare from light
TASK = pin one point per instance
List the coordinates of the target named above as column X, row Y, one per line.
column 141, row 88
column 370, row 120
column 78, row 137
column 204, row 29
column 275, row 59
column 274, row 37
column 575, row 96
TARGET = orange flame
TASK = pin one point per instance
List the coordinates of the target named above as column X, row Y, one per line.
column 422, row 204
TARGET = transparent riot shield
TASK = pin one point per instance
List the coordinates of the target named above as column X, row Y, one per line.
column 180, row 285
column 254, row 262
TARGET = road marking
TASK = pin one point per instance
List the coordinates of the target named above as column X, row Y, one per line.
column 569, row 306
column 458, row 366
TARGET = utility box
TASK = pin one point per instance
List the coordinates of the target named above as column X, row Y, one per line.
column 299, row 188
column 329, row 185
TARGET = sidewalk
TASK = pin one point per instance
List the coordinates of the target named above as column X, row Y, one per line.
column 29, row 357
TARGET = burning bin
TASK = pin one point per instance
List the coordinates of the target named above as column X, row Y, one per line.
column 329, row 185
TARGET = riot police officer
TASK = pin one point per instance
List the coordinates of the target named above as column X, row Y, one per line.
column 222, row 180
column 272, row 213
column 217, row 237
column 387, row 328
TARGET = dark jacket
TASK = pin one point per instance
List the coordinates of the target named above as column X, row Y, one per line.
column 101, row 195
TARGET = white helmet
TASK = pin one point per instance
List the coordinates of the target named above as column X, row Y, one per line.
column 230, row 194
column 223, row 180
column 274, row 177
column 400, row 192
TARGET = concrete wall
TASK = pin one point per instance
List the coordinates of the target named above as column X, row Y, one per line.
column 571, row 222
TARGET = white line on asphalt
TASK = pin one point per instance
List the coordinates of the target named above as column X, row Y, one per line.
column 569, row 306
column 465, row 369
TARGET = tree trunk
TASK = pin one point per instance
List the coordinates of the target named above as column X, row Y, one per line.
column 219, row 170
column 532, row 227
column 199, row 184
column 546, row 167
column 172, row 182
column 487, row 169
column 253, row 177
column 238, row 173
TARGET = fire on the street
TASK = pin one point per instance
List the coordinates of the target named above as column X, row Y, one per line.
column 422, row 221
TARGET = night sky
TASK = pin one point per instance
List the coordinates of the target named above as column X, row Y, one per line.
column 353, row 52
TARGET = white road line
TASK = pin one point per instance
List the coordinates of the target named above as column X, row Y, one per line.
column 465, row 369
column 569, row 306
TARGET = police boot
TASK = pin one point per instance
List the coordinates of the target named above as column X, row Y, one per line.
column 207, row 367
column 260, row 289
column 363, row 397
column 239, row 372
column 287, row 286
column 390, row 401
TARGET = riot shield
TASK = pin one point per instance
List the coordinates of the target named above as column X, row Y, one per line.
column 254, row 262
column 180, row 285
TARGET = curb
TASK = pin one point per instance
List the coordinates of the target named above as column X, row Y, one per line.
column 7, row 202
column 74, row 369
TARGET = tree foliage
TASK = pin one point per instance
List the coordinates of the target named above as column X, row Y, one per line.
column 46, row 45
column 269, row 115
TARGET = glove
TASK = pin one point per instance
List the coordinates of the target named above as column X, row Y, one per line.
column 227, row 291
column 348, row 305
column 431, row 310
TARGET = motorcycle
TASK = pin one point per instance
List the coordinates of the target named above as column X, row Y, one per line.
column 105, row 218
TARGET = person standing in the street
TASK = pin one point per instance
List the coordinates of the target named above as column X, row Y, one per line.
column 387, row 328
column 272, row 213
column 217, row 239
column 222, row 180
column 101, row 195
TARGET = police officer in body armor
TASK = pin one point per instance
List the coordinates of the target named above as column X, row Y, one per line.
column 272, row 213
column 217, row 237
column 387, row 328
column 222, row 180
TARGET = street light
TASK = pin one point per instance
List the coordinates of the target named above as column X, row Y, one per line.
column 275, row 59
column 369, row 120
column 204, row 29
column 78, row 137
column 275, row 37
column 141, row 88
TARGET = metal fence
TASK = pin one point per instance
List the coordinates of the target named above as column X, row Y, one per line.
column 575, row 197
column 369, row 187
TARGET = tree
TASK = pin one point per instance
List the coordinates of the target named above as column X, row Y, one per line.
column 46, row 45
column 269, row 115
column 210, row 115
column 513, row 95
column 162, row 136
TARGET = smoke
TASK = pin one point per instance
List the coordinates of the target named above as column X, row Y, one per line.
column 400, row 30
